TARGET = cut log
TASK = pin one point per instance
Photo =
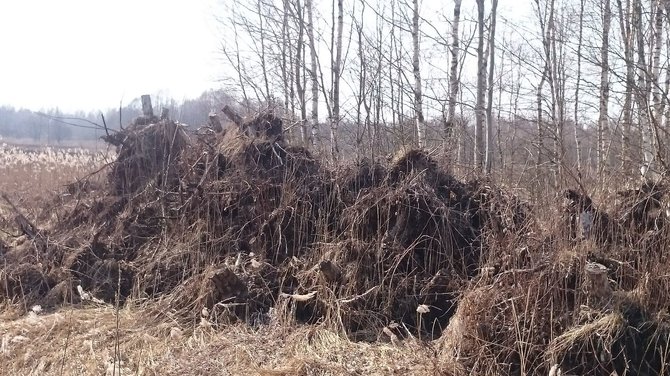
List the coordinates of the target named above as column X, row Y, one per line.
column 147, row 108
column 234, row 116
column 599, row 292
column 215, row 122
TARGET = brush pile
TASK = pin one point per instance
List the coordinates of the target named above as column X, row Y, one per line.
column 242, row 222
column 242, row 226
column 596, row 305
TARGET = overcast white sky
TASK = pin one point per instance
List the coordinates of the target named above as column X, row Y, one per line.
column 90, row 54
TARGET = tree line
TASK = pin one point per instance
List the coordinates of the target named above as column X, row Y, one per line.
column 573, row 88
column 53, row 126
column 563, row 90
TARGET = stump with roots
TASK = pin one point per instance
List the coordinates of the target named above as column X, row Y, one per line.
column 598, row 290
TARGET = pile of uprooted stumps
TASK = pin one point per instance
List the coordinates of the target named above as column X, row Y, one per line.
column 235, row 226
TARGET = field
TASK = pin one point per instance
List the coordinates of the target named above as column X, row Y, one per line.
column 31, row 172
column 226, row 254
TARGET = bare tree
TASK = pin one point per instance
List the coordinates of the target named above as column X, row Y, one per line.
column 603, row 119
column 313, row 72
column 481, row 83
column 578, row 81
column 642, row 90
column 395, row 87
column 361, row 95
column 418, row 103
column 263, row 60
column 656, row 62
column 300, row 69
column 539, row 95
column 656, row 112
column 489, row 105
column 627, row 111
column 336, row 76
column 235, row 59
column 454, row 81
column 558, row 40
column 284, row 64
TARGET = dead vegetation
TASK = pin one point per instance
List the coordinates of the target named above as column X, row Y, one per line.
column 242, row 228
column 87, row 341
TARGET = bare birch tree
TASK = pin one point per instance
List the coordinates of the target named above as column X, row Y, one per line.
column 578, row 82
column 539, row 91
column 418, row 96
column 335, row 77
column 301, row 79
column 361, row 95
column 481, row 83
column 656, row 112
column 656, row 62
column 262, row 52
column 454, row 82
column 603, row 118
column 642, row 90
column 314, row 77
column 627, row 110
column 489, row 105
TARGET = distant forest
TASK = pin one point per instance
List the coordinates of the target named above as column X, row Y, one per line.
column 53, row 126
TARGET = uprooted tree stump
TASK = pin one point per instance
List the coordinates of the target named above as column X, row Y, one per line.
column 598, row 290
column 265, row 125
column 148, row 116
column 148, row 153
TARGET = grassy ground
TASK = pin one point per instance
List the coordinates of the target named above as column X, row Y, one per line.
column 88, row 340
column 29, row 175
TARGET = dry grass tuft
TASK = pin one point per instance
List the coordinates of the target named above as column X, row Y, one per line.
column 84, row 341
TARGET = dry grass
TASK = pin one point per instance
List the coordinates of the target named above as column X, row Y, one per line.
column 83, row 341
column 31, row 173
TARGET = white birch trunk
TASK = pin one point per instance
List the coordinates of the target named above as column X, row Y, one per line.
column 336, row 72
column 489, row 105
column 313, row 73
column 627, row 111
column 418, row 95
column 603, row 118
column 454, row 81
column 578, row 141
column 481, row 82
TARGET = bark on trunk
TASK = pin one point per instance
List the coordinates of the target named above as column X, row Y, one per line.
column 489, row 105
column 336, row 71
column 627, row 110
column 603, row 119
column 578, row 141
column 454, row 81
column 481, row 82
column 418, row 105
column 312, row 74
